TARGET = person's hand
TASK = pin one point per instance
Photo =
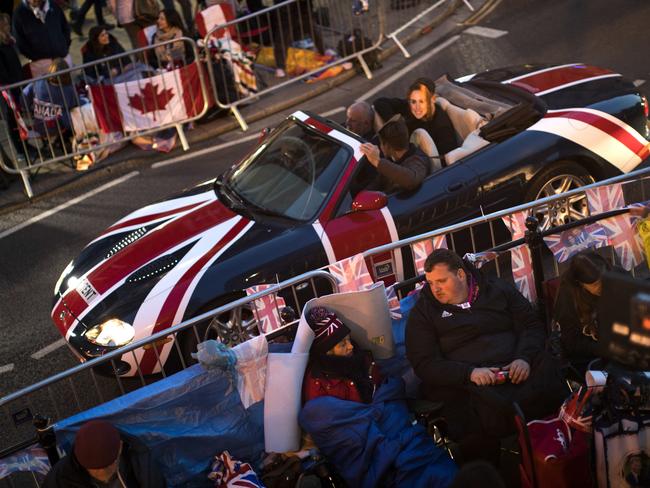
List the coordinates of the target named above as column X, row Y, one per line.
column 371, row 152
column 519, row 371
column 483, row 376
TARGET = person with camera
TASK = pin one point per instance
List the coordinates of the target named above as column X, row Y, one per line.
column 478, row 346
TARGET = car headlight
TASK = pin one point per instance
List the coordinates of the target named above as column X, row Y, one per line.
column 113, row 333
column 59, row 282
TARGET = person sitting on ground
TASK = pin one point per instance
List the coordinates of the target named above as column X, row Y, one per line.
column 170, row 26
column 464, row 333
column 576, row 306
column 101, row 45
column 101, row 456
column 42, row 33
column 361, row 423
column 360, row 119
column 51, row 100
column 404, row 166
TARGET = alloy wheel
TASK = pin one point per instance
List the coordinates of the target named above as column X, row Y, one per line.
column 233, row 327
column 563, row 210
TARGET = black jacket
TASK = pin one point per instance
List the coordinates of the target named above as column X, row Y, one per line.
column 10, row 69
column 37, row 40
column 101, row 70
column 137, row 469
column 445, row 342
column 575, row 344
column 406, row 173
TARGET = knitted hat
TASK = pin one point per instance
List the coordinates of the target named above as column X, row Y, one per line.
column 97, row 444
column 328, row 329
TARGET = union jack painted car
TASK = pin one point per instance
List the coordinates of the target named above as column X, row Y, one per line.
column 297, row 203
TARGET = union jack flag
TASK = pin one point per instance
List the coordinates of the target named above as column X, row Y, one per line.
column 267, row 308
column 605, row 198
column 393, row 303
column 32, row 459
column 351, row 273
column 623, row 237
column 227, row 472
column 570, row 242
column 422, row 249
column 522, row 272
column 522, row 266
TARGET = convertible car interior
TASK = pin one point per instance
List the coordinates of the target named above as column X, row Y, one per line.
column 485, row 111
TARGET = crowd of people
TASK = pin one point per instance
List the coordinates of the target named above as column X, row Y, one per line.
column 475, row 344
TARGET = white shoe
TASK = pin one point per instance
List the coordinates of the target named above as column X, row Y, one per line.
column 279, row 73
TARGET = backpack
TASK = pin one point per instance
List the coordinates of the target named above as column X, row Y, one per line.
column 354, row 42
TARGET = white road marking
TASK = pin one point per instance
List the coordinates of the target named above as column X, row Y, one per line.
column 67, row 204
column 477, row 30
column 638, row 83
column 206, row 150
column 333, row 111
column 405, row 70
column 210, row 149
column 6, row 368
column 41, row 353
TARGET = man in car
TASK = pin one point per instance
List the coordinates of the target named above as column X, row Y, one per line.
column 478, row 346
column 403, row 166
column 359, row 118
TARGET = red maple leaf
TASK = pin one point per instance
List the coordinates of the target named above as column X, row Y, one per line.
column 150, row 99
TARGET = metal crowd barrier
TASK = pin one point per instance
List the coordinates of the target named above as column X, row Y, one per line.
column 80, row 388
column 35, row 135
column 97, row 381
column 288, row 24
column 487, row 232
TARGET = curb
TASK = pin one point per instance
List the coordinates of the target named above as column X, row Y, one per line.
column 325, row 86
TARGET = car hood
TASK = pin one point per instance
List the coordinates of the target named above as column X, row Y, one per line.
column 167, row 245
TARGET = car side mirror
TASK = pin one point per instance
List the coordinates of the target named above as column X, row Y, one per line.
column 369, row 200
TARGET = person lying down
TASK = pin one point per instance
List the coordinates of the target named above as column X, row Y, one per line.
column 359, row 420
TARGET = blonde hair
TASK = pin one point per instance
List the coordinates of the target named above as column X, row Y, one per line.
column 59, row 64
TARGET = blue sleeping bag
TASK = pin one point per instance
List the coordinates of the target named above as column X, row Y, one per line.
column 376, row 444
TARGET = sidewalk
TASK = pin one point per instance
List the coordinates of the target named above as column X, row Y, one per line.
column 427, row 32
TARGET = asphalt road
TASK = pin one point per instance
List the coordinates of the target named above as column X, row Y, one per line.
column 601, row 32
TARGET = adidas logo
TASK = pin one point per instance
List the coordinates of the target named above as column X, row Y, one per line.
column 446, row 314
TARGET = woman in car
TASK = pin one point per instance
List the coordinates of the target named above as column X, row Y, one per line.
column 361, row 423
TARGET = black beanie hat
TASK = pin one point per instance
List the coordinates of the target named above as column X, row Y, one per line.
column 328, row 329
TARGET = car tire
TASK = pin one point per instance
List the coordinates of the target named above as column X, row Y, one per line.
column 559, row 178
column 232, row 327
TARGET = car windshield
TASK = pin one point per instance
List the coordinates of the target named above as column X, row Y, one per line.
column 290, row 174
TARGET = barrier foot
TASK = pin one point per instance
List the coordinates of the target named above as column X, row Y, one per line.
column 181, row 136
column 240, row 119
column 469, row 5
column 28, row 187
column 364, row 67
column 400, row 46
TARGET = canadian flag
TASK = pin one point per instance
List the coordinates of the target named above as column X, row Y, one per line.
column 173, row 96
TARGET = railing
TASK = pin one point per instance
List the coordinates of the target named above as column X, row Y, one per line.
column 462, row 237
column 129, row 99
column 280, row 26
column 59, row 395
column 86, row 385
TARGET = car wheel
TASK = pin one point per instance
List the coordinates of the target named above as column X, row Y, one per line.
column 231, row 328
column 560, row 178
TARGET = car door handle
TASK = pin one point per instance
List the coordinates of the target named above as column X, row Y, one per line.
column 455, row 186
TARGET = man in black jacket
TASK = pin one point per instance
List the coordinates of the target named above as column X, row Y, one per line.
column 102, row 457
column 41, row 30
column 404, row 166
column 464, row 335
